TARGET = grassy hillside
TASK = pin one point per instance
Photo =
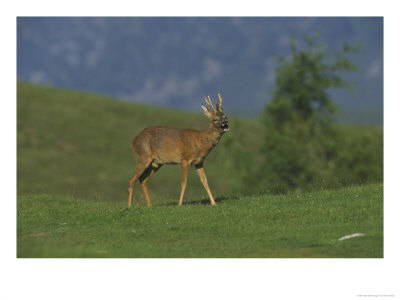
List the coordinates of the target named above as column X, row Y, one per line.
column 74, row 161
column 79, row 144
column 302, row 225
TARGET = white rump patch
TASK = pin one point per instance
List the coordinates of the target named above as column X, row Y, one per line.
column 346, row 237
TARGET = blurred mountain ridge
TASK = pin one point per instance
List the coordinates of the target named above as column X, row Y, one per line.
column 175, row 62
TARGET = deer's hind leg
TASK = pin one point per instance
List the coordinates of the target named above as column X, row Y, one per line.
column 150, row 171
column 141, row 166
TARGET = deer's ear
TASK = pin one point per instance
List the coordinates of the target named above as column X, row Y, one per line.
column 206, row 111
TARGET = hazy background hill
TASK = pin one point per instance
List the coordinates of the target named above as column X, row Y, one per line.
column 76, row 143
column 176, row 61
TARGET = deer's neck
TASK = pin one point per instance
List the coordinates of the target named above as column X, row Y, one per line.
column 212, row 135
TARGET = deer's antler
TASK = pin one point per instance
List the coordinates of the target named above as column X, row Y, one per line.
column 220, row 99
column 220, row 102
column 209, row 102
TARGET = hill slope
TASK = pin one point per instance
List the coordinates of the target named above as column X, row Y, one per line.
column 74, row 143
column 79, row 144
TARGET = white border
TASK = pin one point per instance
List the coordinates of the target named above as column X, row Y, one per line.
column 200, row 278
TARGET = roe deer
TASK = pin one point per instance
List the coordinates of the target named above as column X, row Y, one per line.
column 159, row 145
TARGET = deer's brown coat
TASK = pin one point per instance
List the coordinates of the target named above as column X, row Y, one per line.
column 159, row 145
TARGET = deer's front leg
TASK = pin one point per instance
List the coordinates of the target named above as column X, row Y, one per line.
column 203, row 179
column 185, row 166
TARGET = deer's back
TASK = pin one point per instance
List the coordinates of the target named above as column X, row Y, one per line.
column 167, row 145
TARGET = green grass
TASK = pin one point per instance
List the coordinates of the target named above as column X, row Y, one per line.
column 296, row 225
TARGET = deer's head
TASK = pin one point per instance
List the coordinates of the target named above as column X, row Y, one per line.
column 217, row 116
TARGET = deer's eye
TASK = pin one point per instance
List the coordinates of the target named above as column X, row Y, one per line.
column 215, row 120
